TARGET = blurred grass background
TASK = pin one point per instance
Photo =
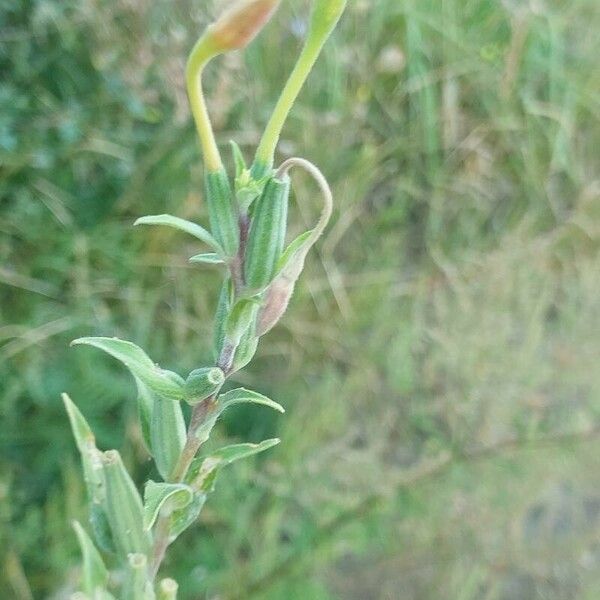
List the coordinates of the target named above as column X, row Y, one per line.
column 440, row 360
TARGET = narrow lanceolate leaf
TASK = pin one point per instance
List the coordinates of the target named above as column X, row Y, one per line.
column 292, row 250
column 202, row 472
column 222, row 212
column 207, row 259
column 164, row 498
column 90, row 456
column 93, row 473
column 162, row 382
column 229, row 399
column 240, row 318
column 95, row 574
column 167, row 434
column 167, row 589
column 267, row 233
column 244, row 396
column 181, row 519
column 124, row 507
column 187, row 226
column 238, row 160
column 203, row 383
column 137, row 583
column 246, row 349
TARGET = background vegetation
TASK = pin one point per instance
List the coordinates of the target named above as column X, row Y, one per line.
column 439, row 362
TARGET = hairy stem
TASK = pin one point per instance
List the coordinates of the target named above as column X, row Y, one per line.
column 200, row 413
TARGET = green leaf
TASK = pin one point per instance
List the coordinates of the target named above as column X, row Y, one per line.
column 166, row 497
column 181, row 519
column 203, row 470
column 240, row 318
column 238, row 159
column 235, row 452
column 164, row 383
column 207, row 259
column 95, row 574
column 192, row 228
column 101, row 527
column 246, row 349
column 225, row 401
column 124, row 507
column 90, row 455
column 292, row 249
column 242, row 395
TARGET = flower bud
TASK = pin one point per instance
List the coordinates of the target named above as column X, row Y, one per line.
column 203, row 383
column 221, row 211
column 267, row 233
column 239, row 25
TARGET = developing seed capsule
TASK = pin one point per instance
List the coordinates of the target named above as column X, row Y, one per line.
column 167, row 434
column 221, row 211
column 267, row 233
column 124, row 507
column 202, row 383
column 137, row 585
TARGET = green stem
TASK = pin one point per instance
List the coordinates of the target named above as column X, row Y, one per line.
column 323, row 20
column 265, row 153
column 201, row 54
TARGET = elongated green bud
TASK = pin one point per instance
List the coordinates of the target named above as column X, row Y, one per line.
column 167, row 589
column 167, row 434
column 222, row 213
column 267, row 233
column 223, row 308
column 137, row 584
column 291, row 264
column 203, row 383
column 124, row 507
